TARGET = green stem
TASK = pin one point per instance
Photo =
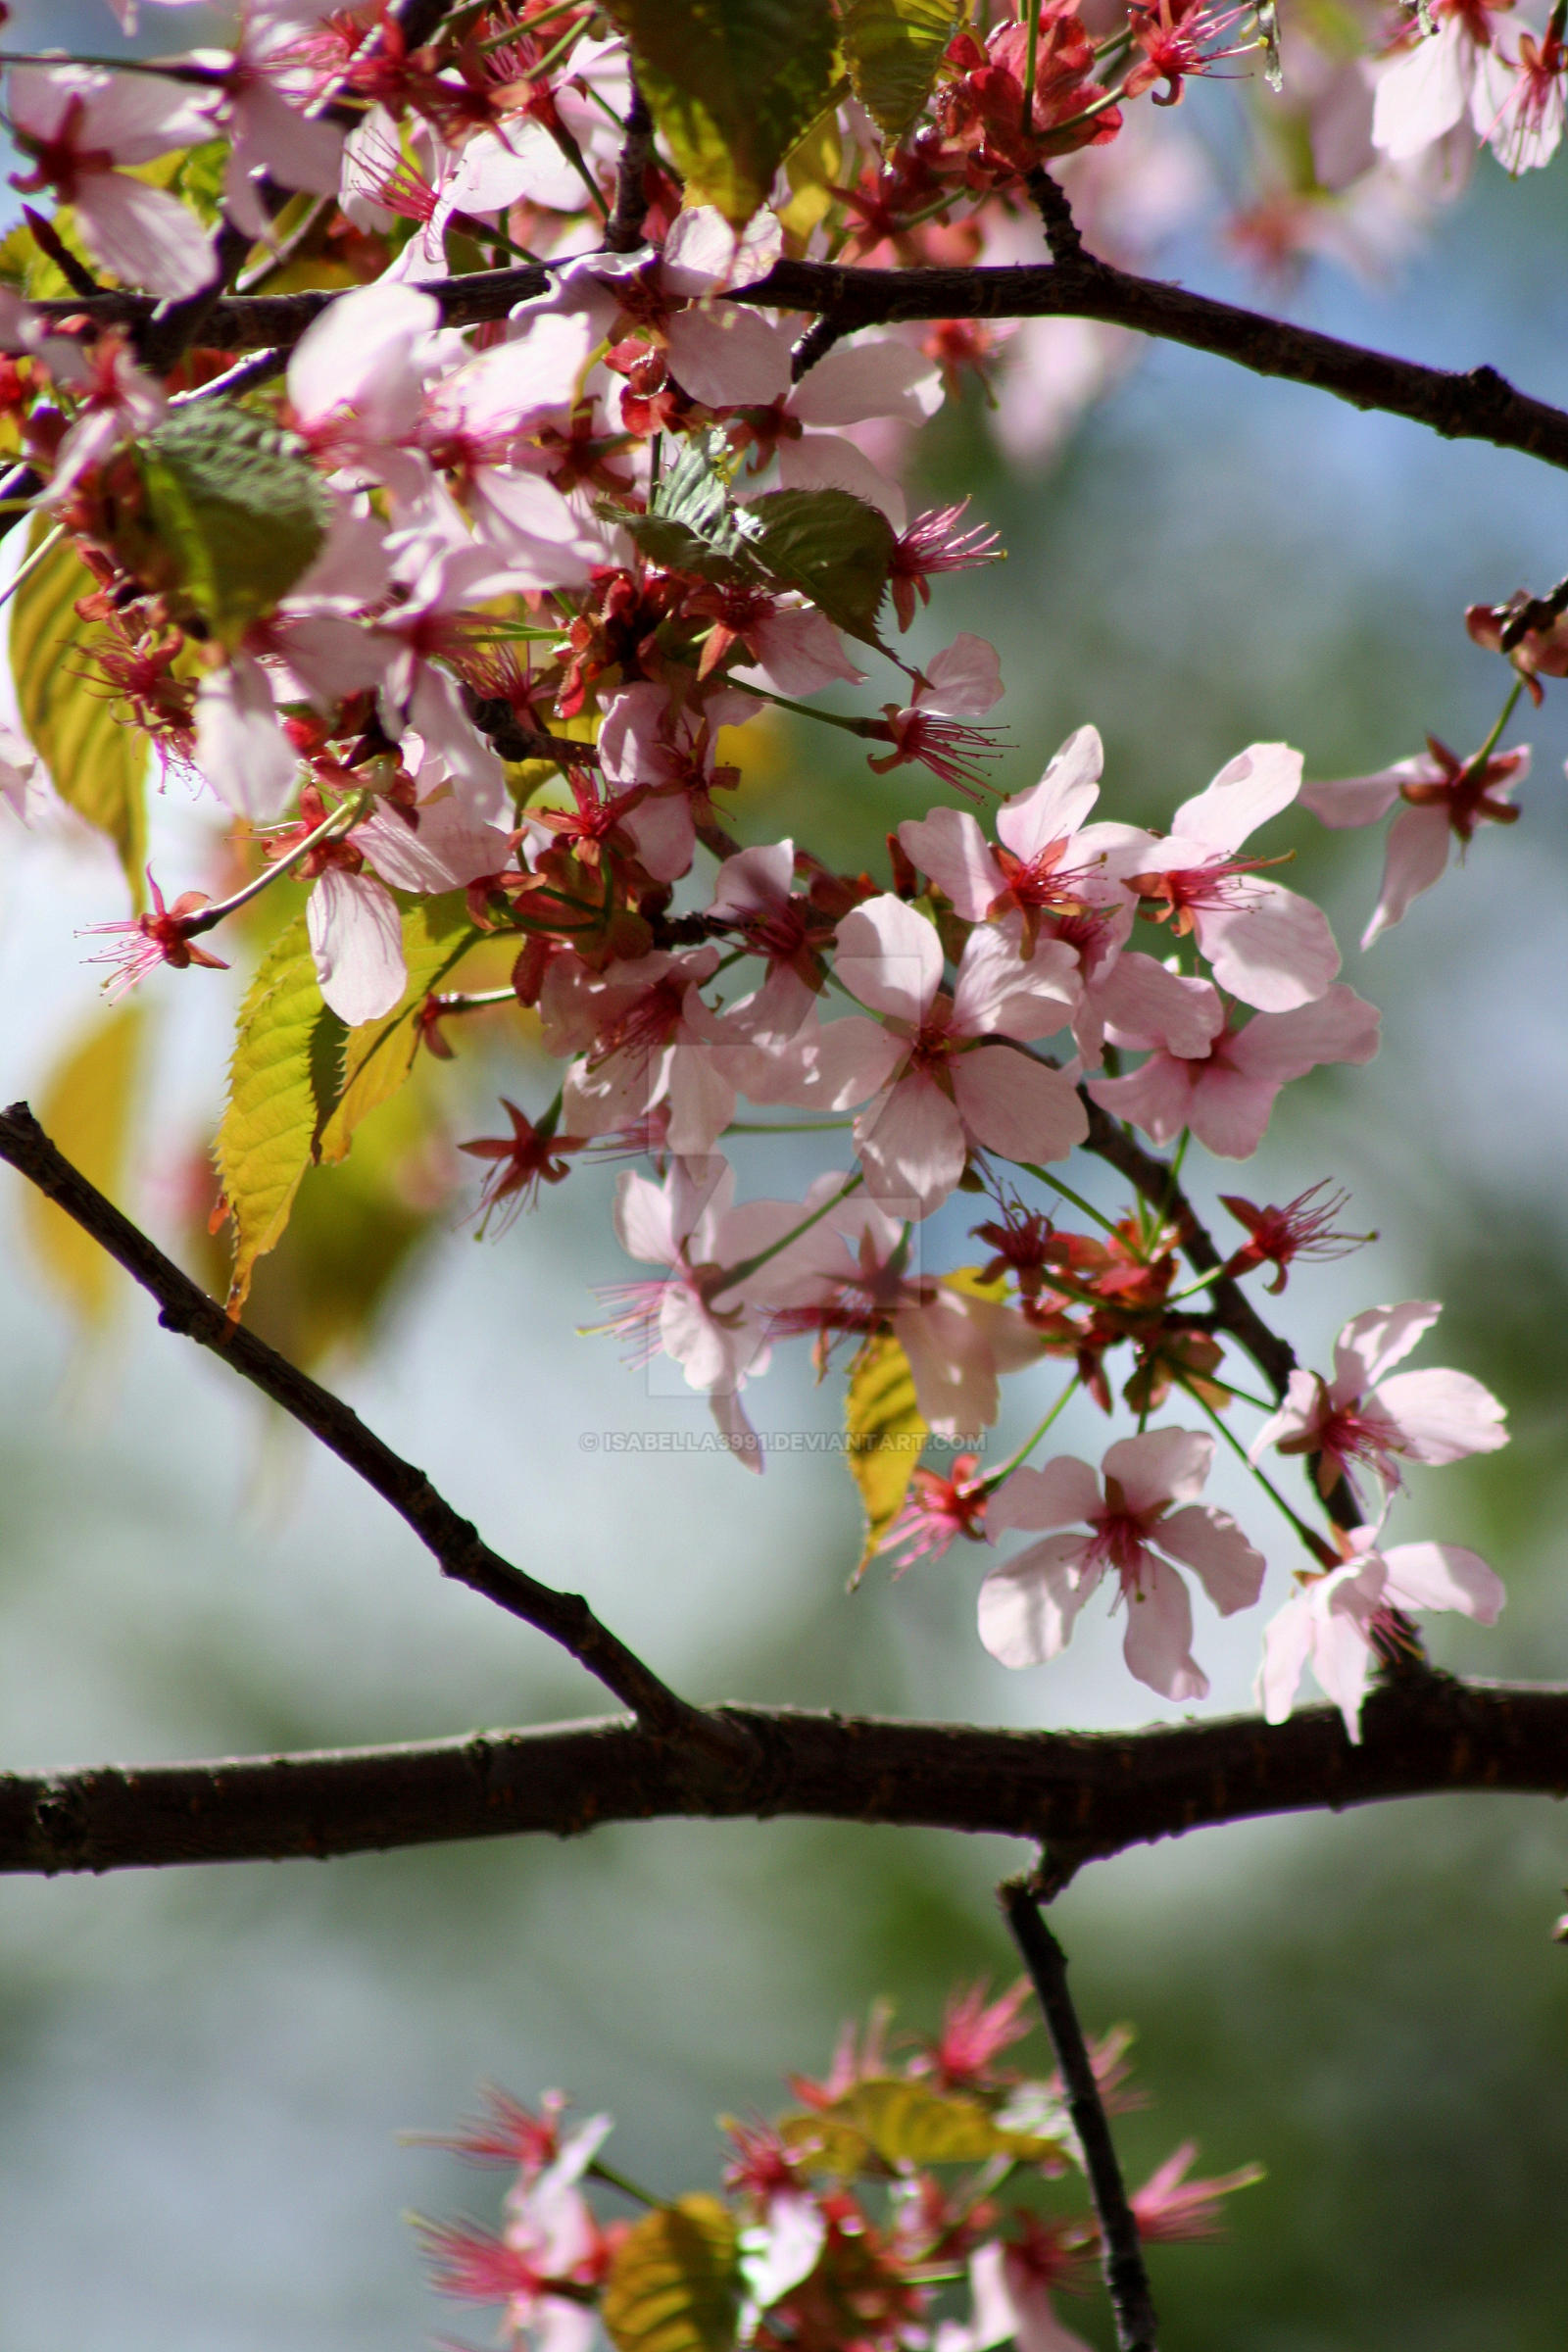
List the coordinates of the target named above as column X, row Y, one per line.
column 342, row 820
column 994, row 1478
column 612, row 2178
column 1031, row 20
column 1323, row 1552
column 1503, row 716
column 1084, row 1208
column 751, row 1265
column 799, row 1127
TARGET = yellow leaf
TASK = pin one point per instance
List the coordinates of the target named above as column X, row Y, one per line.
column 436, row 934
column 889, row 2121
column 97, row 760
column 86, row 1109
column 284, row 1081
column 673, row 2286
column 886, row 1432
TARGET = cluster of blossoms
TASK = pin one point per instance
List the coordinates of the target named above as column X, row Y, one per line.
column 456, row 623
column 897, row 2207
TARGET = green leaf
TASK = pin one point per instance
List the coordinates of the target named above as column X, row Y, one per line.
column 675, row 2283
column 97, row 762
column 283, row 1083
column 378, row 1056
column 351, row 1233
column 890, row 2121
column 834, row 548
column 237, row 509
column 86, row 1109
column 894, row 48
column 691, row 525
column 732, row 84
column 886, row 1432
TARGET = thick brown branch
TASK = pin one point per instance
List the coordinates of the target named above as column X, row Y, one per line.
column 454, row 1542
column 1476, row 406
column 1126, row 2278
column 1083, row 1795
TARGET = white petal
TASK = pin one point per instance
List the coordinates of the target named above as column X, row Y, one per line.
column 356, row 935
column 1027, row 1605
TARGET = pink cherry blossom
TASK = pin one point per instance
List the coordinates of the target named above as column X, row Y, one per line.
column 1427, row 89
column 648, row 744
column 1028, row 1605
column 1448, row 798
column 960, row 685
column 1361, row 1418
column 78, row 123
column 1330, row 1620
column 1263, row 942
column 1046, row 861
column 1519, row 101
column 647, row 1038
column 1010, row 2290
column 1224, row 1092
column 944, row 1080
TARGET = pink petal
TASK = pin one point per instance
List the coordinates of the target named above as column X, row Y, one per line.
column 1375, row 1341
column 1340, row 1026
column 1423, row 93
column 1064, row 1492
column 1012, row 1104
column 1273, row 950
column 827, row 462
column 1248, row 790
column 1230, row 1109
column 446, row 850
column 1362, row 800
column 1061, row 799
column 1158, row 1098
column 1000, row 993
column 889, row 958
column 754, row 881
column 1443, row 1576
column 950, row 847
column 964, row 681
column 241, row 748
column 1415, row 858
column 1286, row 1647
column 1141, row 1003
column 1163, row 1465
column 144, row 236
column 356, row 935
column 1443, row 1415
column 881, row 378
column 701, row 1100
column 954, row 1372
column 911, row 1145
column 1209, row 1541
column 644, row 1223
column 727, row 357
column 1027, row 1605
column 664, row 835
column 799, row 652
column 1158, row 1644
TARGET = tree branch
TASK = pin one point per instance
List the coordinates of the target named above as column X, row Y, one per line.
column 1479, row 404
column 1085, row 1796
column 454, row 1542
column 1122, row 2255
column 624, row 232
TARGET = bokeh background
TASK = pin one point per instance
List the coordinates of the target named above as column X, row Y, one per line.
column 204, row 2075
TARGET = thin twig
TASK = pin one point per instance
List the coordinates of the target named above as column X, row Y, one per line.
column 816, row 344
column 1121, row 2254
column 456, row 1544
column 1051, row 201
column 624, row 232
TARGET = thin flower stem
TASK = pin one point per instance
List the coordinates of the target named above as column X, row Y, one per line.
column 1007, row 1469
column 750, row 1265
column 1504, row 714
column 801, row 1127
column 24, row 571
column 614, row 2179
column 1323, row 1552
column 342, row 820
column 1031, row 20
column 1084, row 1208
column 872, row 730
